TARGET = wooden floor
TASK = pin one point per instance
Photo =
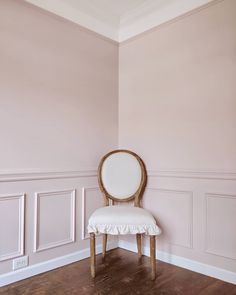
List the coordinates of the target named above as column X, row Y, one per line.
column 120, row 273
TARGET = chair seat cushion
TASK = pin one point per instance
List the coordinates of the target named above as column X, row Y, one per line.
column 122, row 220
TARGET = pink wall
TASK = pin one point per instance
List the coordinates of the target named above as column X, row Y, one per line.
column 177, row 92
column 58, row 112
column 177, row 109
column 58, row 91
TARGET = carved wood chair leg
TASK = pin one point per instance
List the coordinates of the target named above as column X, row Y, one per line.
column 104, row 245
column 139, row 244
column 92, row 254
column 153, row 256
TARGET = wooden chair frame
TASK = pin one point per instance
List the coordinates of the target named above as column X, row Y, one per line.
column 137, row 196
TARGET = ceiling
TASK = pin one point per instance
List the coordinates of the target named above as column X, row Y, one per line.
column 119, row 19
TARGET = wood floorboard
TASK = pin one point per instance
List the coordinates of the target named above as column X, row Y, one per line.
column 121, row 272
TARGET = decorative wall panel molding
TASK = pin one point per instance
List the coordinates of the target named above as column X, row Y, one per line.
column 20, row 225
column 47, row 225
column 86, row 212
column 178, row 200
column 220, row 225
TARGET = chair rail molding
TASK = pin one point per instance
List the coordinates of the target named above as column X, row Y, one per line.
column 21, row 225
column 28, row 175
column 195, row 174
column 71, row 238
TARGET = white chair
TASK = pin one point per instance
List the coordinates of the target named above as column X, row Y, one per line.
column 122, row 177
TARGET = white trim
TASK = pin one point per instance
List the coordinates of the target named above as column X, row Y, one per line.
column 119, row 28
column 194, row 174
column 71, row 239
column 28, row 175
column 206, row 269
column 51, row 264
column 151, row 15
column 21, row 225
column 92, row 22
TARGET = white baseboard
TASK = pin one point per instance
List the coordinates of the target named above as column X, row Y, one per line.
column 38, row 268
column 193, row 265
column 206, row 269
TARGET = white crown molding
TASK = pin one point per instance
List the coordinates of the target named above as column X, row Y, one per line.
column 63, row 9
column 141, row 18
column 149, row 16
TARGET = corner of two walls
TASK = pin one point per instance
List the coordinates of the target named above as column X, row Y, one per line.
column 176, row 107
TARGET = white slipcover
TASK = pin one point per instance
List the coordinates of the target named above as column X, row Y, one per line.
column 122, row 220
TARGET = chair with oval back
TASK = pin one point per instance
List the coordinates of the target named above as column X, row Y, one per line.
column 122, row 177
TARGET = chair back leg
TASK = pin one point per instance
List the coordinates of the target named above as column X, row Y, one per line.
column 92, row 255
column 104, row 245
column 153, row 256
column 139, row 244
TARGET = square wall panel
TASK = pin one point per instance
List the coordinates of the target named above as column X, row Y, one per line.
column 54, row 219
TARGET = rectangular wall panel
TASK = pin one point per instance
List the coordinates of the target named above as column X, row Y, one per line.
column 11, row 226
column 91, row 200
column 173, row 210
column 54, row 219
column 221, row 225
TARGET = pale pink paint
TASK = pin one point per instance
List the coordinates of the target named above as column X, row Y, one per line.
column 177, row 92
column 58, row 112
column 59, row 91
column 177, row 109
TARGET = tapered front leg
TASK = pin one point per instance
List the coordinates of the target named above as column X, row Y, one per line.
column 139, row 244
column 104, row 245
column 153, row 256
column 92, row 254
